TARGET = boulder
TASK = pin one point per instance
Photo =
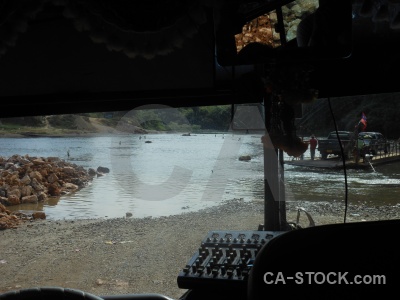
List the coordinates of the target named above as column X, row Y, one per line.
column 103, row 170
column 245, row 158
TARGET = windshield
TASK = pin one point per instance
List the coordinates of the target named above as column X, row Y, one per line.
column 155, row 148
column 118, row 202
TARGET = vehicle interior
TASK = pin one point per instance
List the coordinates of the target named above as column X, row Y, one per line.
column 266, row 61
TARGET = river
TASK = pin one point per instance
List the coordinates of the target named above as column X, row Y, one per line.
column 164, row 174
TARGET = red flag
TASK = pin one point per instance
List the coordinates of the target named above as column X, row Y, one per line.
column 363, row 121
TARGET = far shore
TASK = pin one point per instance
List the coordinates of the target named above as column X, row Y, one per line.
column 52, row 135
column 60, row 135
column 110, row 132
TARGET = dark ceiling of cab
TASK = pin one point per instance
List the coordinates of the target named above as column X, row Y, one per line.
column 86, row 51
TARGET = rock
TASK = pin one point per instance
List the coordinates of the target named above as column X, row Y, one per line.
column 52, row 178
column 69, row 170
column 103, row 170
column 8, row 166
column 79, row 182
column 36, row 185
column 4, row 200
column 26, row 180
column 29, row 199
column 26, row 190
column 42, row 196
column 38, row 161
column 99, row 282
column 3, row 208
column 53, row 159
column 39, row 215
column 245, row 158
column 69, row 187
column 7, row 219
column 14, row 191
column 13, row 200
column 37, row 175
column 54, row 190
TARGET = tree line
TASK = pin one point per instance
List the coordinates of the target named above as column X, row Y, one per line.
column 317, row 118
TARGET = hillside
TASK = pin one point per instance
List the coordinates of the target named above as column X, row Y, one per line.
column 381, row 111
column 135, row 121
column 71, row 125
column 316, row 118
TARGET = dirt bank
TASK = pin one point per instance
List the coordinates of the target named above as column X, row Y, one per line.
column 128, row 255
column 82, row 127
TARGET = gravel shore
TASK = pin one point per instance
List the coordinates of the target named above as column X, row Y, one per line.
column 127, row 255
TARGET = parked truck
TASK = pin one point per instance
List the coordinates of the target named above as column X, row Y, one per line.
column 331, row 146
column 375, row 141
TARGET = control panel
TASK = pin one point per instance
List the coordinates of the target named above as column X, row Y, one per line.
column 224, row 259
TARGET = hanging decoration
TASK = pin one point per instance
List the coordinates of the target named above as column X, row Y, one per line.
column 286, row 87
column 145, row 29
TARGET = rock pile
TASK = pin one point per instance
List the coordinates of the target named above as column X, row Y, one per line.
column 8, row 219
column 25, row 179
column 262, row 29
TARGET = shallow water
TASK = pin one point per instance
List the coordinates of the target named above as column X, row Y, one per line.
column 164, row 174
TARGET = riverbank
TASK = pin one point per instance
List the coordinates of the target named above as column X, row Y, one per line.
column 127, row 255
column 81, row 127
column 30, row 180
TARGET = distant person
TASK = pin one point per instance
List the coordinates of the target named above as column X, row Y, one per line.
column 313, row 146
column 360, row 143
column 68, row 153
column 361, row 149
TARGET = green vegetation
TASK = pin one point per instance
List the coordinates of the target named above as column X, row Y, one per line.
column 209, row 117
column 159, row 119
column 63, row 121
column 170, row 119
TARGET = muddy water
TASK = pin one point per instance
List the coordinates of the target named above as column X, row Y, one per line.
column 164, row 174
